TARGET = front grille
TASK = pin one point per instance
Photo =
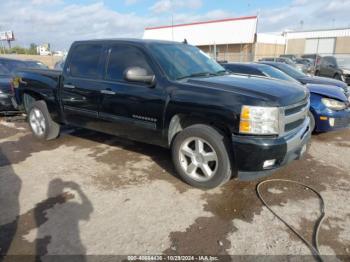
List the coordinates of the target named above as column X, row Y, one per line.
column 341, row 122
column 294, row 116
column 291, row 126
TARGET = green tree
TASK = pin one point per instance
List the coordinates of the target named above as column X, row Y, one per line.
column 32, row 49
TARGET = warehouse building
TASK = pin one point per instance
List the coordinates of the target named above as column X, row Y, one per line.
column 233, row 39
column 323, row 42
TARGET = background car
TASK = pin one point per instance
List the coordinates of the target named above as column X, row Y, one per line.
column 279, row 60
column 307, row 64
column 315, row 57
column 337, row 67
column 7, row 69
column 36, row 64
column 291, row 57
column 329, row 107
column 59, row 65
column 306, row 79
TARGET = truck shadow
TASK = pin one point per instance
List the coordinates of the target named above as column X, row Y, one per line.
column 10, row 186
column 53, row 221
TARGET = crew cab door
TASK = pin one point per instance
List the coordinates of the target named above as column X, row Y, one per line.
column 131, row 109
column 80, row 90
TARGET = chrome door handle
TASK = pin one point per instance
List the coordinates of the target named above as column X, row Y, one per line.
column 108, row 92
column 69, row 86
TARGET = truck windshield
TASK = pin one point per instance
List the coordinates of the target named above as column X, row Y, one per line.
column 181, row 61
column 276, row 73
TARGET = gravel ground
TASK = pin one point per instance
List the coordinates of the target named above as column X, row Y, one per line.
column 90, row 193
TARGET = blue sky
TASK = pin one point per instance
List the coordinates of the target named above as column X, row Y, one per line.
column 60, row 22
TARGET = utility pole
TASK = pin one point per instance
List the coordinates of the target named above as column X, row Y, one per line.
column 172, row 19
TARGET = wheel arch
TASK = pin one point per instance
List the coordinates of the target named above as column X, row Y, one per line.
column 180, row 121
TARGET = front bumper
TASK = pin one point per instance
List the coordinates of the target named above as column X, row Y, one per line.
column 347, row 79
column 329, row 120
column 5, row 102
column 250, row 153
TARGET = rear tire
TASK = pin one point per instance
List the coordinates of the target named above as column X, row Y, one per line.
column 201, row 156
column 40, row 122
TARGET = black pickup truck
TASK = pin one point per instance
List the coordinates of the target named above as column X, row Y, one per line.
column 217, row 125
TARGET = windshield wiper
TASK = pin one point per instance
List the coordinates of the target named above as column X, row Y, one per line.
column 205, row 74
column 222, row 72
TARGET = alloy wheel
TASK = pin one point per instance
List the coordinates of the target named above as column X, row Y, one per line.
column 37, row 121
column 198, row 159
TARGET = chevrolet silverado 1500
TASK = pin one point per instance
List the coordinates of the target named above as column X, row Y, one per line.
column 217, row 125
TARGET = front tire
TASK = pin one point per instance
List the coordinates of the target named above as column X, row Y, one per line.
column 40, row 122
column 312, row 122
column 338, row 77
column 201, row 156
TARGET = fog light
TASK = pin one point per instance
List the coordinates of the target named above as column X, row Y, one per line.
column 331, row 121
column 269, row 163
column 323, row 118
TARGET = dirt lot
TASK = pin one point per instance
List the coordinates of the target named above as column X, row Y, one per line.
column 89, row 193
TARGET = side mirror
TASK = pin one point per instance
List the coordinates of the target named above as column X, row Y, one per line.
column 139, row 74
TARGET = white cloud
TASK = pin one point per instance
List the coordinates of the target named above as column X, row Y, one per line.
column 131, row 2
column 313, row 14
column 61, row 23
column 46, row 2
column 61, row 26
column 169, row 5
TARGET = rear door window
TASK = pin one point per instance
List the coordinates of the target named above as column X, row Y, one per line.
column 85, row 61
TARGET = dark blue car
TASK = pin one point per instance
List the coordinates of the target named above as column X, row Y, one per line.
column 329, row 104
column 7, row 69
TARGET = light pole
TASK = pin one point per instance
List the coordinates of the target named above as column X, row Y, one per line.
column 172, row 19
column 2, row 44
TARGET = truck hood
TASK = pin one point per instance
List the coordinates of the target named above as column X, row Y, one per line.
column 322, row 81
column 5, row 84
column 271, row 92
column 328, row 91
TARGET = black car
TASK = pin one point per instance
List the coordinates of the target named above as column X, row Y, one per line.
column 306, row 79
column 7, row 70
column 217, row 125
column 337, row 67
column 257, row 69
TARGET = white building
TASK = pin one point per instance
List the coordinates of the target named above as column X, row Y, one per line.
column 43, row 49
column 323, row 41
column 233, row 39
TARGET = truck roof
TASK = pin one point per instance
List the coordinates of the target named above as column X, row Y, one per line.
column 127, row 40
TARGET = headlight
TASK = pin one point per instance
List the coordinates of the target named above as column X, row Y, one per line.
column 333, row 104
column 259, row 120
column 2, row 94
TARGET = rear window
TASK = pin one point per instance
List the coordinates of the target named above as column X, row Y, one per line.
column 85, row 61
